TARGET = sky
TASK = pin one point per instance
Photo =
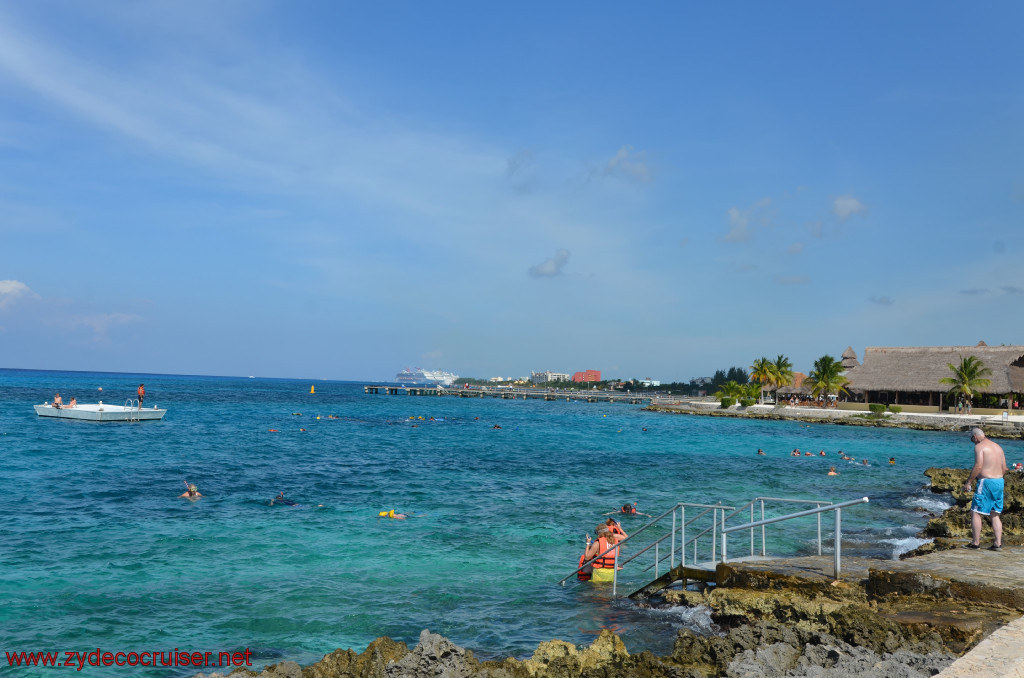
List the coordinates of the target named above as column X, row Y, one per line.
column 340, row 190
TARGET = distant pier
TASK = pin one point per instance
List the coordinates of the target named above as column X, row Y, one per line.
column 521, row 393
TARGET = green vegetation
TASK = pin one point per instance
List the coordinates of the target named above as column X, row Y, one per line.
column 747, row 402
column 783, row 371
column 895, row 409
column 763, row 372
column 876, row 408
column 772, row 375
column 968, row 377
column 827, row 377
column 727, row 402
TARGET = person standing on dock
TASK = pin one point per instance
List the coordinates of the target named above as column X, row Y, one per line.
column 989, row 467
column 142, row 393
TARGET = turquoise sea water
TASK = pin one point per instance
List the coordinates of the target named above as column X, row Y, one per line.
column 98, row 550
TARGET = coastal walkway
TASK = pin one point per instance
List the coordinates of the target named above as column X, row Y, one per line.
column 504, row 393
column 1012, row 425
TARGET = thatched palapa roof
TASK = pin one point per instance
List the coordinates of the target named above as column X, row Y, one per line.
column 919, row 369
column 850, row 358
column 797, row 387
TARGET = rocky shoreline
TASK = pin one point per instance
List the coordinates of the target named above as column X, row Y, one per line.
column 767, row 623
column 993, row 427
column 761, row 649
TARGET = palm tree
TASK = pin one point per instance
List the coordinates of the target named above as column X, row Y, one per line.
column 827, row 377
column 763, row 372
column 731, row 389
column 968, row 377
column 783, row 371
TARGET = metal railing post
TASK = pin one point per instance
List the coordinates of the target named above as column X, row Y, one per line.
column 656, row 559
column 751, row 531
column 714, row 535
column 764, row 547
column 819, row 533
column 672, row 555
column 839, row 539
column 682, row 535
column 724, row 537
column 615, row 572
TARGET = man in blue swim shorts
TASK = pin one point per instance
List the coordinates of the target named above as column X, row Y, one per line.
column 989, row 467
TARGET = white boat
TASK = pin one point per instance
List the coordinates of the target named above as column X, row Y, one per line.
column 101, row 412
column 420, row 376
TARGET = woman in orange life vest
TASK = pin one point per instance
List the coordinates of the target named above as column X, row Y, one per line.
column 604, row 567
column 616, row 529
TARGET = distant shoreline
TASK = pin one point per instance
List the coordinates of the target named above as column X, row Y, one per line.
column 992, row 425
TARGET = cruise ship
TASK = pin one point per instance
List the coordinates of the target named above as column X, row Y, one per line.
column 422, row 376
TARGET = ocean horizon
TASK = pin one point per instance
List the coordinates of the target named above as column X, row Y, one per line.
column 100, row 551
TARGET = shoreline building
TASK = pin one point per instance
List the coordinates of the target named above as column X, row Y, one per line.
column 544, row 377
column 910, row 375
column 586, row 376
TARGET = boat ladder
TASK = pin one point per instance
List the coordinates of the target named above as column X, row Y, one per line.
column 709, row 528
column 133, row 409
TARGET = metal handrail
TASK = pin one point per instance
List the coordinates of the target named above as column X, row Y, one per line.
column 820, row 507
column 752, row 502
column 672, row 533
column 837, row 536
column 652, row 523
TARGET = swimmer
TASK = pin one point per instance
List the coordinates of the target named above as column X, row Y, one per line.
column 833, row 472
column 865, row 462
column 760, row 451
column 644, row 428
column 892, row 460
column 808, row 454
column 629, row 510
column 495, row 426
column 394, row 515
column 281, row 499
column 191, row 493
column 821, row 454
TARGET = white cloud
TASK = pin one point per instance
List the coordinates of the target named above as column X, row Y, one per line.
column 629, row 163
column 739, row 220
column 13, row 290
column 549, row 268
column 845, row 206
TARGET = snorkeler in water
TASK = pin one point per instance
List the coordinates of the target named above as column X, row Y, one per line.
column 399, row 516
column 281, row 499
column 191, row 493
